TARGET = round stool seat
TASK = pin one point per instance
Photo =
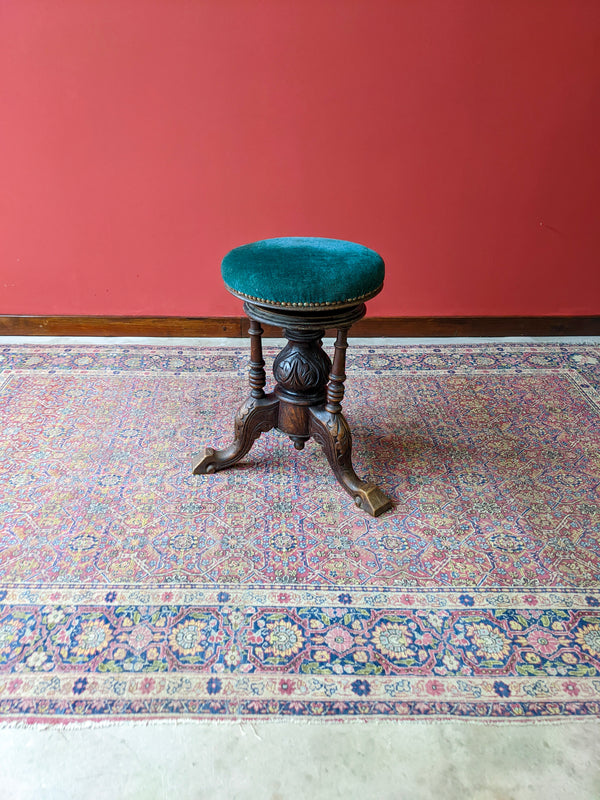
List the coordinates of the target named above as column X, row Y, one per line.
column 303, row 272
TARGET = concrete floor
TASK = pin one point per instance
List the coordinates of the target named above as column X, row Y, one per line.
column 322, row 761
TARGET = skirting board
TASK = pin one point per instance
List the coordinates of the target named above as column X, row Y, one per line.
column 238, row 326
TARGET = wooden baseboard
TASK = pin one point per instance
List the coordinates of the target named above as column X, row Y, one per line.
column 414, row 327
column 120, row 326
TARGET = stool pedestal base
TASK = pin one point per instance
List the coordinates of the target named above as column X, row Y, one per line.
column 306, row 401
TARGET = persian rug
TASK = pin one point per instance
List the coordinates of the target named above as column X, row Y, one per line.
column 130, row 588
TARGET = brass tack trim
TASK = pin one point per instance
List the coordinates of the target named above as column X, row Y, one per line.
column 306, row 305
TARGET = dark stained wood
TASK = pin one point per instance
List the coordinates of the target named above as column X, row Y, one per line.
column 256, row 416
column 337, row 376
column 120, row 326
column 478, row 326
column 257, row 377
column 307, row 400
column 421, row 327
column 301, row 368
column 333, row 434
column 293, row 420
column 296, row 319
column 411, row 327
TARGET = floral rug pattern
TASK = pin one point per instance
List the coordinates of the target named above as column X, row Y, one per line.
column 131, row 588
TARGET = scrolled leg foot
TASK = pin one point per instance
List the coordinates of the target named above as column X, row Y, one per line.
column 256, row 416
column 372, row 500
column 205, row 464
column 333, row 433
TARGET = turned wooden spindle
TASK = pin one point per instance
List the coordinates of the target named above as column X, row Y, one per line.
column 335, row 387
column 257, row 377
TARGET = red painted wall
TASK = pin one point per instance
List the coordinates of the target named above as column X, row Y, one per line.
column 140, row 140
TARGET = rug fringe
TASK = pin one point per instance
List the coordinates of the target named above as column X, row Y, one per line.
column 79, row 725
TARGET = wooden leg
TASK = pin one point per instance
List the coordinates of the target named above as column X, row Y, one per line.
column 257, row 415
column 337, row 376
column 257, row 377
column 333, row 434
column 329, row 427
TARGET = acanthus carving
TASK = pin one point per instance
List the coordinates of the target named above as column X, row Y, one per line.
column 256, row 416
column 340, row 433
column 241, row 416
column 333, row 434
column 252, row 419
column 300, row 367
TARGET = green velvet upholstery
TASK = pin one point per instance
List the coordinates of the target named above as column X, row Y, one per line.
column 307, row 272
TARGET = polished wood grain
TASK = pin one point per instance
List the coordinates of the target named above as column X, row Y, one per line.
column 412, row 327
column 121, row 326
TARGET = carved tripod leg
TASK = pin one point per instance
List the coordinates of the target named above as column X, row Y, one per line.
column 257, row 415
column 333, row 433
column 329, row 427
